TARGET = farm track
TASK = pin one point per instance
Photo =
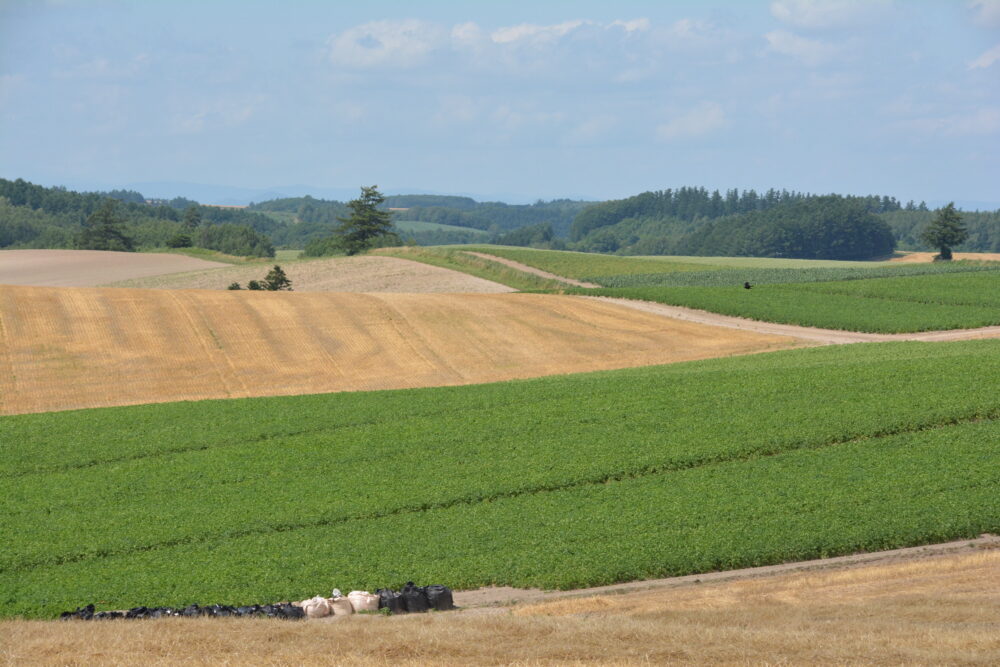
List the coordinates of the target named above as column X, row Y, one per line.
column 595, row 481
column 71, row 348
column 816, row 335
column 530, row 269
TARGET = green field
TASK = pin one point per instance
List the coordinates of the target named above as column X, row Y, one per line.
column 770, row 276
column 584, row 265
column 691, row 467
column 420, row 226
column 928, row 302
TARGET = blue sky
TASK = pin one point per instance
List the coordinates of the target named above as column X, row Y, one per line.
column 513, row 100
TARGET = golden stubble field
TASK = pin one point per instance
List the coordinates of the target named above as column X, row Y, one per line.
column 67, row 348
column 941, row 610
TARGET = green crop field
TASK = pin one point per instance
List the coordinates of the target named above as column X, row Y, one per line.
column 690, row 467
column 927, row 302
column 420, row 226
column 770, row 276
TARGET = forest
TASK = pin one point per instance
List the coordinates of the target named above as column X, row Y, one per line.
column 682, row 221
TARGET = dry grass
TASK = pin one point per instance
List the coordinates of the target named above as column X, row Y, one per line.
column 935, row 611
column 361, row 273
column 65, row 348
column 911, row 257
column 87, row 268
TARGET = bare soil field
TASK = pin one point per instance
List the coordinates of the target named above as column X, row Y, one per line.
column 929, row 256
column 364, row 273
column 939, row 608
column 68, row 348
column 87, row 268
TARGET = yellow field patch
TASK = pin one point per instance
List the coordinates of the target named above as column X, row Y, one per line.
column 66, row 348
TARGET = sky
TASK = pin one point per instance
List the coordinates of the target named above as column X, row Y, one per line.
column 511, row 100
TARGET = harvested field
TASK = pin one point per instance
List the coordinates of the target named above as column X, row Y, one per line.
column 937, row 610
column 338, row 274
column 67, row 348
column 87, row 268
column 929, row 256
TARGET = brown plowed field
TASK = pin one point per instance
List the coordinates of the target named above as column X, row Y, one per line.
column 361, row 273
column 86, row 268
column 66, row 348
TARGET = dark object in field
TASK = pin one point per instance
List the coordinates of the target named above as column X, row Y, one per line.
column 747, row 285
column 81, row 613
column 439, row 597
column 108, row 615
column 137, row 612
column 415, row 598
column 391, row 600
column 192, row 610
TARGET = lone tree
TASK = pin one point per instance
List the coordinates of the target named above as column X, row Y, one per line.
column 103, row 230
column 944, row 231
column 366, row 222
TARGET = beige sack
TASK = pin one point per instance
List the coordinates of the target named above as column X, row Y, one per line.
column 340, row 606
column 316, row 607
column 363, row 600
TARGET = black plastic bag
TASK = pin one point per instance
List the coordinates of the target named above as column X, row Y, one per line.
column 391, row 600
column 108, row 615
column 439, row 597
column 192, row 610
column 137, row 612
column 414, row 598
column 81, row 613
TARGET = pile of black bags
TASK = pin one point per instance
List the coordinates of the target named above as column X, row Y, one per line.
column 415, row 599
column 282, row 610
column 411, row 599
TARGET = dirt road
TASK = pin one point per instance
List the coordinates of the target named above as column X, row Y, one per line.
column 530, row 269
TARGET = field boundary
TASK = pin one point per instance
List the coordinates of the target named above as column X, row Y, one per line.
column 503, row 596
column 816, row 334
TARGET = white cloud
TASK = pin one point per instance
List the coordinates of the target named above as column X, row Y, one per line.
column 986, row 59
column 823, row 14
column 634, row 25
column 536, row 33
column 809, row 51
column 699, row 121
column 398, row 43
column 987, row 12
column 979, row 122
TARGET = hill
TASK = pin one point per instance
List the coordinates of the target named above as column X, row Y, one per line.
column 558, row 482
column 67, row 348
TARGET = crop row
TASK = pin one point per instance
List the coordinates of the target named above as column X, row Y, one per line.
column 769, row 276
column 868, row 494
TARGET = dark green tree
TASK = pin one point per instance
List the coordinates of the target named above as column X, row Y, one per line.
column 945, row 231
column 276, row 280
column 103, row 230
column 366, row 223
column 192, row 217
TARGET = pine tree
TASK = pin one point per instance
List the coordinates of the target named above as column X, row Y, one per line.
column 944, row 231
column 276, row 280
column 366, row 222
column 103, row 230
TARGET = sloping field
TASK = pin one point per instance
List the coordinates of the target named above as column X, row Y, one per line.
column 338, row 274
column 87, row 268
column 65, row 348
column 556, row 482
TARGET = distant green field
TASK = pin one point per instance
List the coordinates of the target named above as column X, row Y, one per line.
column 761, row 276
column 418, row 226
column 768, row 262
column 690, row 467
column 585, row 265
column 887, row 305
